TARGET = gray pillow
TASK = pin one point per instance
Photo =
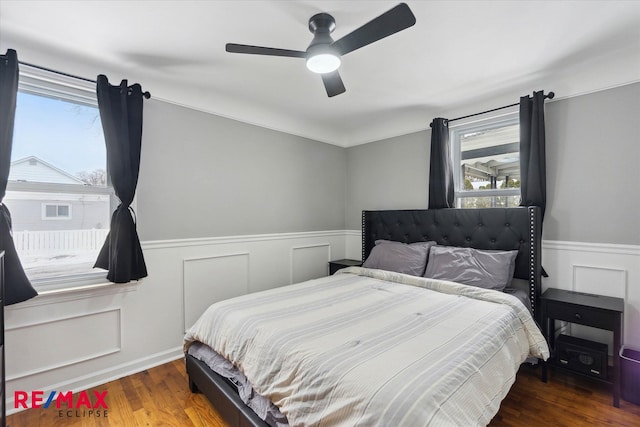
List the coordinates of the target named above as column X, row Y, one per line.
column 399, row 257
column 484, row 269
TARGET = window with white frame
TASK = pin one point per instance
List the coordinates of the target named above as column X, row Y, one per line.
column 56, row 211
column 486, row 159
column 58, row 192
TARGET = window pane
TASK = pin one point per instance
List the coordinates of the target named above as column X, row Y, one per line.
column 51, row 211
column 58, row 161
column 63, row 211
column 489, row 202
column 490, row 158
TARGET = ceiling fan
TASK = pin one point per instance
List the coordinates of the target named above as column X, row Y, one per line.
column 323, row 54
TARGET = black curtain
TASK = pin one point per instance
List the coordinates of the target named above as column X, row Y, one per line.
column 17, row 285
column 441, row 194
column 533, row 175
column 121, row 115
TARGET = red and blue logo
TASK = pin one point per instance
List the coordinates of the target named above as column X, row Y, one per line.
column 68, row 403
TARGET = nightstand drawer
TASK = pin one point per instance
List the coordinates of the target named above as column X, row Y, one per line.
column 582, row 315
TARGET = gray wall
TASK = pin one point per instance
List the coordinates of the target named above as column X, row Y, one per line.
column 388, row 174
column 593, row 167
column 205, row 176
column 593, row 170
column 202, row 175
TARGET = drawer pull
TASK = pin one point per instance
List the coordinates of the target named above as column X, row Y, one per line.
column 578, row 316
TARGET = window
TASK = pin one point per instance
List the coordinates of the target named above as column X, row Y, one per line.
column 486, row 158
column 58, row 192
column 56, row 211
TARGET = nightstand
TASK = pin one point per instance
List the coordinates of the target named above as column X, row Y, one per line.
column 592, row 310
column 342, row 263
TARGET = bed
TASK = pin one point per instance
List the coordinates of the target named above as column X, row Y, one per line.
column 369, row 346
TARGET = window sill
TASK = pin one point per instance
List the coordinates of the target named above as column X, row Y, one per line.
column 92, row 287
column 61, row 280
column 60, row 295
column 496, row 192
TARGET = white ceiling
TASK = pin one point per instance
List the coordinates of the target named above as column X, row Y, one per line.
column 459, row 58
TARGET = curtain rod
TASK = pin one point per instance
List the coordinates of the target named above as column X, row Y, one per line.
column 146, row 95
column 550, row 95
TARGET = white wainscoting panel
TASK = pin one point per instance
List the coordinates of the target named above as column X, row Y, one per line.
column 310, row 261
column 598, row 268
column 43, row 346
column 353, row 240
column 211, row 279
column 591, row 279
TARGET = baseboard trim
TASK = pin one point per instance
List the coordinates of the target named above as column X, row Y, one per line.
column 106, row 375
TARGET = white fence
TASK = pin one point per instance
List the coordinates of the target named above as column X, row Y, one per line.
column 41, row 242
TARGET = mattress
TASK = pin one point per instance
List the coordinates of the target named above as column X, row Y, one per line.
column 263, row 407
column 366, row 347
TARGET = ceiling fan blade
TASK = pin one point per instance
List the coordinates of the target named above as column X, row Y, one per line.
column 260, row 50
column 333, row 83
column 390, row 22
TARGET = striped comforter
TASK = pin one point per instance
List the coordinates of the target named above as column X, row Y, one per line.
column 374, row 348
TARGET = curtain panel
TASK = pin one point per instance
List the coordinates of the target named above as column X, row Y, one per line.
column 533, row 175
column 441, row 192
column 17, row 285
column 121, row 115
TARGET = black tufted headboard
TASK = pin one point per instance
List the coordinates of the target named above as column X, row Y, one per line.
column 493, row 228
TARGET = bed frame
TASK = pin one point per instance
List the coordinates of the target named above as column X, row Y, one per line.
column 493, row 228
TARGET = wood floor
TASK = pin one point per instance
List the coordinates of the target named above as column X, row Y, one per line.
column 160, row 397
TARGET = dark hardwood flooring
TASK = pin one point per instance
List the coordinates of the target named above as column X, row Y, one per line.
column 565, row 400
column 161, row 397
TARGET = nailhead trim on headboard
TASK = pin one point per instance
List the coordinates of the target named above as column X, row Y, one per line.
column 532, row 248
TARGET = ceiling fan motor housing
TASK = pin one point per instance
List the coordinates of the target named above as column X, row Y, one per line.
column 322, row 22
column 321, row 25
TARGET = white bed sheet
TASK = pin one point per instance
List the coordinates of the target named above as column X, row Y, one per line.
column 367, row 348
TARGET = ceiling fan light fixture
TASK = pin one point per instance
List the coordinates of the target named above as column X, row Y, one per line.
column 323, row 53
column 323, row 63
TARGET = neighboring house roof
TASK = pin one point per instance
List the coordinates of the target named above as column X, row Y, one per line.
column 33, row 169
